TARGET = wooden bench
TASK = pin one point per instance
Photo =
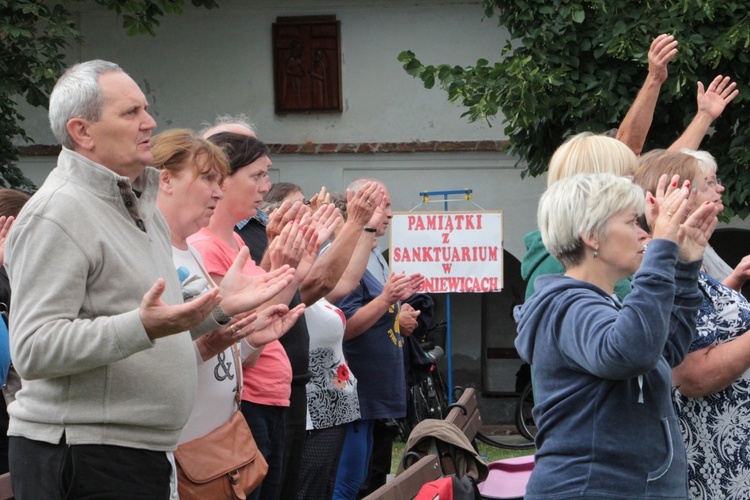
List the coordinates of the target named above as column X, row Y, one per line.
column 408, row 483
column 465, row 415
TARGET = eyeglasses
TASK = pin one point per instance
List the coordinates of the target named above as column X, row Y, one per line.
column 713, row 183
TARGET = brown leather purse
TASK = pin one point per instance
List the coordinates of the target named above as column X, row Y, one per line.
column 225, row 463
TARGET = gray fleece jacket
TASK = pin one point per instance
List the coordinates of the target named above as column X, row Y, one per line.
column 80, row 257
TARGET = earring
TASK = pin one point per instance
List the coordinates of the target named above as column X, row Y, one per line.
column 596, row 253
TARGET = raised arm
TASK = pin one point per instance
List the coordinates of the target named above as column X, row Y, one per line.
column 711, row 103
column 334, row 262
column 637, row 121
column 356, row 268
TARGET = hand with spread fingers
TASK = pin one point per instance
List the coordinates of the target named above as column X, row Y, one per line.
column 272, row 323
column 242, row 292
column 720, row 92
column 415, row 283
column 395, row 287
column 216, row 341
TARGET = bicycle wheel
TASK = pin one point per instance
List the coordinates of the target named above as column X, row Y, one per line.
column 506, row 445
column 524, row 418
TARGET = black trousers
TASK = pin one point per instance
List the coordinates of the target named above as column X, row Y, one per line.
column 295, row 422
column 47, row 471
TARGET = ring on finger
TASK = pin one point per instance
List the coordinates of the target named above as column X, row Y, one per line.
column 669, row 214
column 234, row 329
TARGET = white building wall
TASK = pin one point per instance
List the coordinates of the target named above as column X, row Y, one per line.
column 206, row 62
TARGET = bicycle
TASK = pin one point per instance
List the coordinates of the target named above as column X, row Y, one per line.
column 427, row 398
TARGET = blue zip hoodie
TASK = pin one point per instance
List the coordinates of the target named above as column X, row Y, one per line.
column 603, row 378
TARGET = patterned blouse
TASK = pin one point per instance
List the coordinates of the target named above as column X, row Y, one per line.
column 716, row 427
column 332, row 391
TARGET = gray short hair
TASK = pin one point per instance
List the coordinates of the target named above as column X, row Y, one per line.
column 221, row 121
column 356, row 185
column 77, row 95
column 582, row 205
column 706, row 161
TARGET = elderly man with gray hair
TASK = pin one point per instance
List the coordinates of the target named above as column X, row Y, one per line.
column 99, row 331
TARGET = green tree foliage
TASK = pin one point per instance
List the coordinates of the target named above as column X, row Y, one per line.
column 33, row 37
column 576, row 65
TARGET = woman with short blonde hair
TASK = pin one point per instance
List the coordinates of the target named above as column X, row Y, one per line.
column 603, row 368
column 581, row 153
column 591, row 153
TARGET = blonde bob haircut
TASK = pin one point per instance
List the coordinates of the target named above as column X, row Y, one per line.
column 582, row 205
column 182, row 149
column 593, row 154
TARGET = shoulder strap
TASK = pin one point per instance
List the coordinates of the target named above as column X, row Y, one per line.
column 235, row 351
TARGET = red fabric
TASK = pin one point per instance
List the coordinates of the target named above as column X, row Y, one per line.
column 439, row 489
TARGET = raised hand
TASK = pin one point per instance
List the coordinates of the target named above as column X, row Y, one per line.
column 381, row 212
column 161, row 320
column 712, row 101
column 415, row 283
column 311, row 246
column 395, row 287
column 242, row 292
column 282, row 216
column 361, row 205
column 663, row 49
column 288, row 247
column 216, row 341
column 670, row 207
column 696, row 231
column 319, row 199
column 325, row 220
column 272, row 323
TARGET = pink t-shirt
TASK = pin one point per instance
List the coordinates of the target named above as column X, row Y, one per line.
column 269, row 382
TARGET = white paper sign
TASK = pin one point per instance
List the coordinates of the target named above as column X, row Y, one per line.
column 456, row 252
